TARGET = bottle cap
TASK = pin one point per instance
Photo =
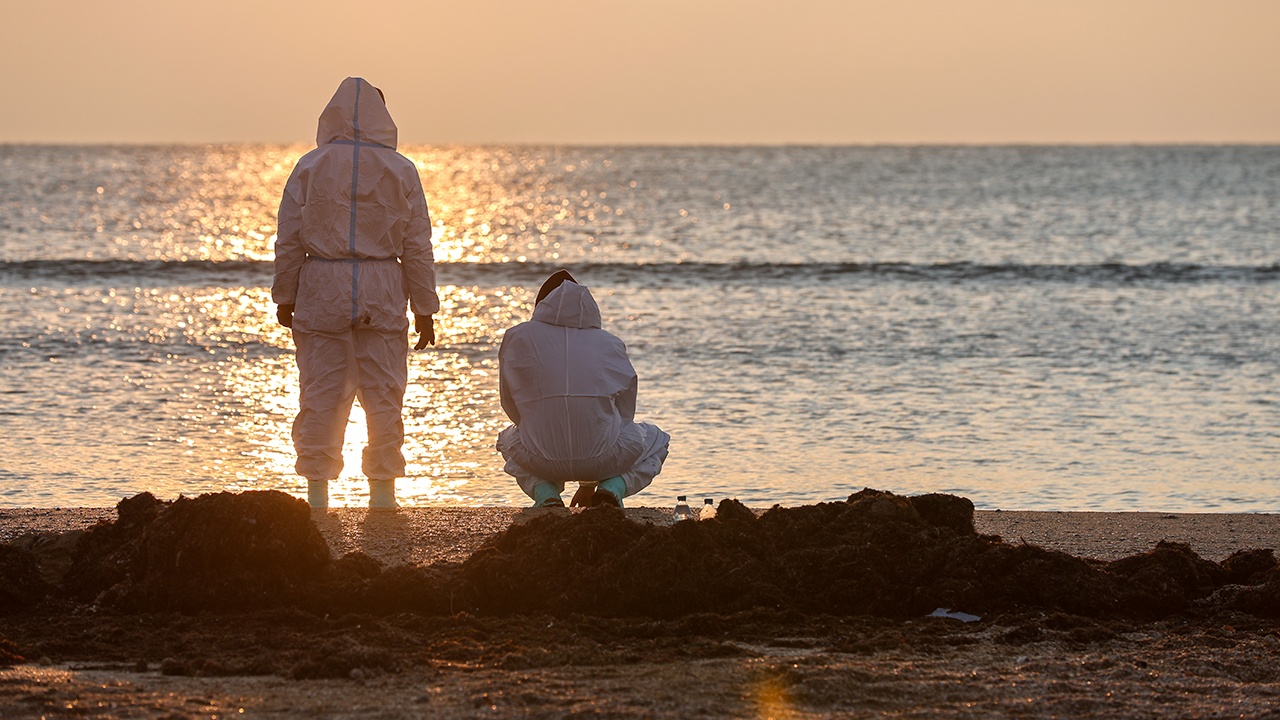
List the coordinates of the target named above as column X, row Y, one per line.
column 708, row 501
column 680, row 497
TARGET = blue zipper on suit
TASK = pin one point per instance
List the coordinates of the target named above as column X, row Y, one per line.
column 355, row 181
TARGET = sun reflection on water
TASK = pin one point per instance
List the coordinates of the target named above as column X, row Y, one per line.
column 513, row 204
column 218, row 203
column 450, row 410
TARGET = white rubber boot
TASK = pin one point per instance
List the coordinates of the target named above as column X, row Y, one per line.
column 318, row 494
column 382, row 494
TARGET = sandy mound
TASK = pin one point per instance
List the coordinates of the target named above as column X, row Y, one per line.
column 875, row 554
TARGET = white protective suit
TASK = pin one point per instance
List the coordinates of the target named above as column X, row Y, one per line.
column 353, row 246
column 571, row 391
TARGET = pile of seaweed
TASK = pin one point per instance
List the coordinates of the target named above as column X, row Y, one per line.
column 875, row 554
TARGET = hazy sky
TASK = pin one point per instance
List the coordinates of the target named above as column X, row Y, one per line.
column 648, row 71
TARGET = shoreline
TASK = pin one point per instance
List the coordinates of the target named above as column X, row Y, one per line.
column 422, row 536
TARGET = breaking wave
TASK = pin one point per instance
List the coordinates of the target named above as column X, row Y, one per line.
column 257, row 273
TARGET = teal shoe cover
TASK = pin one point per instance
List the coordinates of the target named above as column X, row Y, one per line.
column 546, row 495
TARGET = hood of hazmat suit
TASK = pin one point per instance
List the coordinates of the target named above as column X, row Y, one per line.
column 566, row 383
column 353, row 240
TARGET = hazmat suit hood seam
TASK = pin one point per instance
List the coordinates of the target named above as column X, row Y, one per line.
column 338, row 121
column 570, row 305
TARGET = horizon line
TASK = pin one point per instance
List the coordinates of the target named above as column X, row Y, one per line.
column 709, row 145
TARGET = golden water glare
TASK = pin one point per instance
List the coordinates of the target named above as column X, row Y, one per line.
column 487, row 204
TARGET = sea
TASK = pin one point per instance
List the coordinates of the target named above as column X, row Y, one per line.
column 1034, row 328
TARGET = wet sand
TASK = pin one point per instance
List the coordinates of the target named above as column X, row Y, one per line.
column 1026, row 665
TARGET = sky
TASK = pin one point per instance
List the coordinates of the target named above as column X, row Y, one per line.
column 647, row 71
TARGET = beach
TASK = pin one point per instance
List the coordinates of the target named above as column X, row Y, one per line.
column 754, row 663
column 961, row 318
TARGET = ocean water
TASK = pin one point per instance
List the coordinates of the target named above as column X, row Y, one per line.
column 1034, row 328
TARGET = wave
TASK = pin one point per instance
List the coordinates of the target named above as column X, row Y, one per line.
column 169, row 272
column 258, row 273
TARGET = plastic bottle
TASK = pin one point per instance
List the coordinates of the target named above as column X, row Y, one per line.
column 683, row 511
column 708, row 509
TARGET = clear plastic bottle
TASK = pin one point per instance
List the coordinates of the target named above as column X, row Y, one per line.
column 708, row 510
column 683, row 511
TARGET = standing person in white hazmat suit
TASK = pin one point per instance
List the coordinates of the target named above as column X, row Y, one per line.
column 353, row 247
column 570, row 390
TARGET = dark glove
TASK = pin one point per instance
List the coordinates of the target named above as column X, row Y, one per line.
column 284, row 314
column 582, row 498
column 425, row 325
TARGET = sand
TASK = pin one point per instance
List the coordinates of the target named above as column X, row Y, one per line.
column 759, row 664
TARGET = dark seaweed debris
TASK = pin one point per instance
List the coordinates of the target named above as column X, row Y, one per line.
column 218, row 552
column 875, row 554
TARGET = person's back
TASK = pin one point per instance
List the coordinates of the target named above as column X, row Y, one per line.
column 353, row 246
column 385, row 220
column 569, row 382
column 570, row 390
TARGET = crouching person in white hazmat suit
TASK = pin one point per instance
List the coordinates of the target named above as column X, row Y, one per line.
column 353, row 247
column 570, row 390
